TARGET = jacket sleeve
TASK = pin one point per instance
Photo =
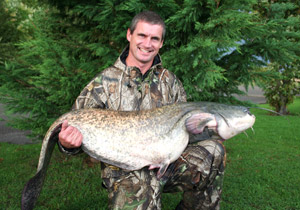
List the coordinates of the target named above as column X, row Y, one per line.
column 92, row 96
column 180, row 95
column 177, row 91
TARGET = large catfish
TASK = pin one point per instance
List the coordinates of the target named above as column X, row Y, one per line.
column 133, row 140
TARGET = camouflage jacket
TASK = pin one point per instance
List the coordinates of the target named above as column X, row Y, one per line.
column 198, row 172
column 124, row 88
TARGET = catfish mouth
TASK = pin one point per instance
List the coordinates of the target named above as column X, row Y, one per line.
column 219, row 126
column 226, row 129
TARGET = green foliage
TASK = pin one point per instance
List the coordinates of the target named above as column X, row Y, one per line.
column 46, row 77
column 281, row 90
column 11, row 29
column 212, row 46
column 202, row 33
column 282, row 18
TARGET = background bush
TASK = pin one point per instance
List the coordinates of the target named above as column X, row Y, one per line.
column 212, row 46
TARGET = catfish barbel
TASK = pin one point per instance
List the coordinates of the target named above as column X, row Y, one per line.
column 132, row 140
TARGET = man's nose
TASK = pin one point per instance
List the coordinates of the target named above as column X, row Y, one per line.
column 147, row 42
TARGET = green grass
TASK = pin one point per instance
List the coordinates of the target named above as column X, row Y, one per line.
column 262, row 171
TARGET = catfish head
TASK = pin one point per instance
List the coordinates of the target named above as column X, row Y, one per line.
column 225, row 121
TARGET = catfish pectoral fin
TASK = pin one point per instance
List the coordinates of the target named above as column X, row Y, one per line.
column 34, row 186
column 197, row 122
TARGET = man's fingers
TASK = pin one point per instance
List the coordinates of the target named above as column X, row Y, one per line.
column 70, row 137
column 77, row 138
column 64, row 125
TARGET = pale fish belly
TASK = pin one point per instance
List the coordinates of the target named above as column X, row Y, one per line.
column 132, row 150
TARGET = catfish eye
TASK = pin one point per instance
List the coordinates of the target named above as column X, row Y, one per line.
column 246, row 110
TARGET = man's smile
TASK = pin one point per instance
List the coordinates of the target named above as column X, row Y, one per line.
column 144, row 50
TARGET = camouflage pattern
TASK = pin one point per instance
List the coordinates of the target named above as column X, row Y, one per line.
column 124, row 88
column 198, row 172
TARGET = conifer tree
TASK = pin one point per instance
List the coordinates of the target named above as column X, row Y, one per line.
column 213, row 46
column 11, row 29
column 283, row 61
column 48, row 73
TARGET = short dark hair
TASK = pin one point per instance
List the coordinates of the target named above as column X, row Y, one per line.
column 149, row 17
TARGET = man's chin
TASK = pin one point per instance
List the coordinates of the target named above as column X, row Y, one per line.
column 146, row 60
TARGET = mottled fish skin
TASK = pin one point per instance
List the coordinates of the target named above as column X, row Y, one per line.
column 133, row 140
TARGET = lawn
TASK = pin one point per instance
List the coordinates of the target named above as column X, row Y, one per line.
column 262, row 171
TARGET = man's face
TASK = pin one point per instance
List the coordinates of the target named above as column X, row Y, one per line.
column 145, row 42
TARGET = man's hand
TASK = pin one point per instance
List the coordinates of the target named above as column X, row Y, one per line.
column 69, row 136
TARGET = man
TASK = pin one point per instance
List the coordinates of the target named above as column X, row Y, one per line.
column 138, row 81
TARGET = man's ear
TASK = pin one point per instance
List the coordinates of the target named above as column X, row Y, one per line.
column 128, row 35
column 161, row 44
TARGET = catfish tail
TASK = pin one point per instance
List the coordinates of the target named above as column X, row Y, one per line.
column 34, row 186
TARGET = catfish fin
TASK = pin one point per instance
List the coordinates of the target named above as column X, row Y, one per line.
column 34, row 186
column 197, row 122
column 162, row 169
